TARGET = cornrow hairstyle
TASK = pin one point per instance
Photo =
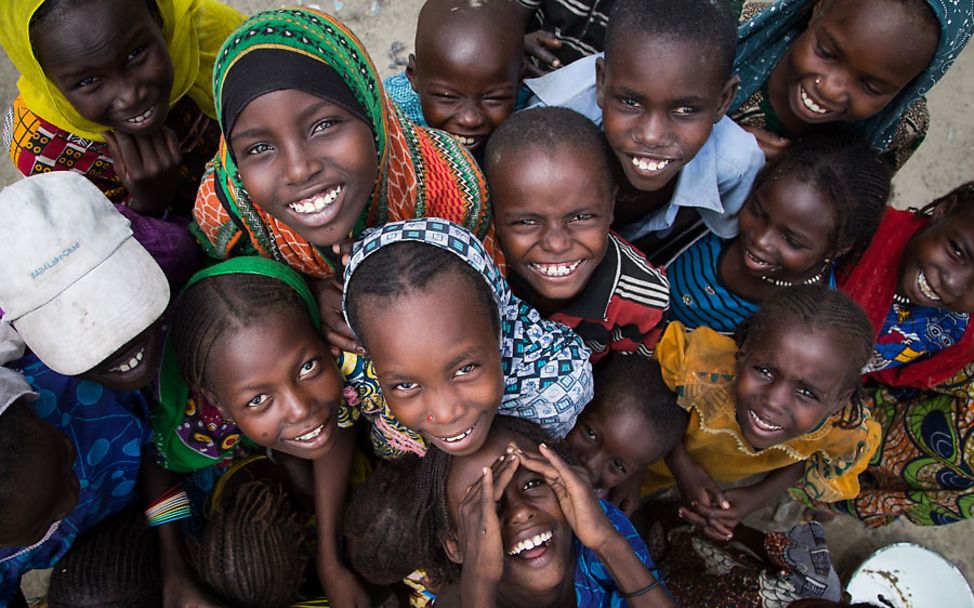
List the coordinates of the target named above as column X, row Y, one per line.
column 401, row 269
column 958, row 200
column 18, row 431
column 629, row 383
column 549, row 131
column 249, row 551
column 380, row 535
column 113, row 565
column 815, row 309
column 711, row 24
column 219, row 305
column 848, row 174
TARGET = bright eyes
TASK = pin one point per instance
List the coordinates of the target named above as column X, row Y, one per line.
column 768, row 374
column 321, row 125
column 306, row 369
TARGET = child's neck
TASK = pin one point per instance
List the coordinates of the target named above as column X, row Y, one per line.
column 631, row 204
column 562, row 596
column 731, row 272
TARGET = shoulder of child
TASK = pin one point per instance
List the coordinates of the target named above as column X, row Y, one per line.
column 572, row 86
column 639, row 280
column 738, row 155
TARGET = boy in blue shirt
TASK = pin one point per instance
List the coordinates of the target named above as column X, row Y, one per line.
column 661, row 92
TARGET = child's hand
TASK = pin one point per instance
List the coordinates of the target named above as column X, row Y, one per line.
column 719, row 523
column 337, row 333
column 770, row 143
column 575, row 496
column 536, row 45
column 478, row 528
column 696, row 486
column 148, row 166
column 344, row 590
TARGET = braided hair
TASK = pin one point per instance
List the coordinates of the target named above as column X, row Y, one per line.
column 849, row 175
column 249, row 552
column 401, row 269
column 958, row 200
column 113, row 565
column 818, row 309
column 219, row 305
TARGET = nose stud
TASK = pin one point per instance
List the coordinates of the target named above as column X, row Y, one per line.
column 429, row 418
column 818, row 80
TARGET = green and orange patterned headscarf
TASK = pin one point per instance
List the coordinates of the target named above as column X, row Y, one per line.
column 422, row 172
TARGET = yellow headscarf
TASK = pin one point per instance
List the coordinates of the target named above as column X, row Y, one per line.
column 193, row 30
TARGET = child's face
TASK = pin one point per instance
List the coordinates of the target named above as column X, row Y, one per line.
column 528, row 508
column 786, row 229
column 308, row 162
column 110, row 60
column 438, row 362
column 134, row 365
column 552, row 211
column 788, row 381
column 851, row 61
column 276, row 379
column 613, row 447
column 465, row 88
column 46, row 489
column 938, row 267
column 658, row 113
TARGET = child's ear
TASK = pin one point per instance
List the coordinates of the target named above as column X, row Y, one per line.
column 600, row 81
column 451, row 546
column 411, row 70
column 212, row 400
column 727, row 96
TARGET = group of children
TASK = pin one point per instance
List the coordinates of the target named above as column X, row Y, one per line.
column 274, row 330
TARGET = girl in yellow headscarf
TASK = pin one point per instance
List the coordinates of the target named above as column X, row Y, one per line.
column 118, row 90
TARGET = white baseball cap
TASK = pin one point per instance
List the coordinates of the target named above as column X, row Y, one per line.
column 73, row 281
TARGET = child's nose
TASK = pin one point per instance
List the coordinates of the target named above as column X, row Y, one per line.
column 834, row 87
column 556, row 241
column 299, row 167
column 470, row 116
column 514, row 508
column 652, row 130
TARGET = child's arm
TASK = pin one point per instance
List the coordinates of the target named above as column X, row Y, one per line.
column 696, row 486
column 593, row 528
column 179, row 586
column 331, row 473
column 719, row 523
column 148, row 166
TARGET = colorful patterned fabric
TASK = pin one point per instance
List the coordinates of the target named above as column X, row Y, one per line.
column 913, row 333
column 764, row 39
column 923, row 470
column 421, row 172
column 872, row 283
column 37, row 146
column 700, row 366
column 698, row 297
column 193, row 31
column 400, row 90
column 622, row 307
column 108, row 432
column 594, row 586
column 189, row 433
column 702, row 573
column 547, row 374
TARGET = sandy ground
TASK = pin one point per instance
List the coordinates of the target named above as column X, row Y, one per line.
column 945, row 160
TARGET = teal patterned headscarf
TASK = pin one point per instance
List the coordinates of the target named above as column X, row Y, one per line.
column 764, row 39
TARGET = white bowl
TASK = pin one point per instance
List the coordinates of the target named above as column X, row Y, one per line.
column 907, row 575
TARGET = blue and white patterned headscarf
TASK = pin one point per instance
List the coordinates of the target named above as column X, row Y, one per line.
column 547, row 374
column 764, row 39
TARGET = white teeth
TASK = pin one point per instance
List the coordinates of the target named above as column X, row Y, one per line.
column 556, row 270
column 530, row 543
column 141, row 117
column 310, row 435
column 467, row 141
column 763, row 424
column 456, row 438
column 131, row 363
column 316, row 203
column 756, row 260
column 925, row 288
column 644, row 164
column 811, row 105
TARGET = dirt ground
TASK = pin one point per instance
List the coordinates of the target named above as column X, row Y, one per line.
column 945, row 160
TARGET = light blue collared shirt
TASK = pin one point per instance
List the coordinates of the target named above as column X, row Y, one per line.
column 716, row 181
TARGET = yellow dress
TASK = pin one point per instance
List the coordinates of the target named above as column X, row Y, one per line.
column 700, row 367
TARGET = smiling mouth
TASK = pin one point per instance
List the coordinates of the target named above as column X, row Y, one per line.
column 809, row 103
column 756, row 260
column 316, row 203
column 924, row 287
column 533, row 547
column 466, row 140
column 131, row 364
column 460, row 437
column 141, row 118
column 648, row 165
column 556, row 270
column 763, row 424
column 310, row 435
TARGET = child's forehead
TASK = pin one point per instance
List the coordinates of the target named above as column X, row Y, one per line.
column 636, row 52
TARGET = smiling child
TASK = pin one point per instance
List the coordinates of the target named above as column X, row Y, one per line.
column 784, row 400
column 813, row 211
column 678, row 159
column 465, row 74
column 117, row 90
column 867, row 63
column 552, row 190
